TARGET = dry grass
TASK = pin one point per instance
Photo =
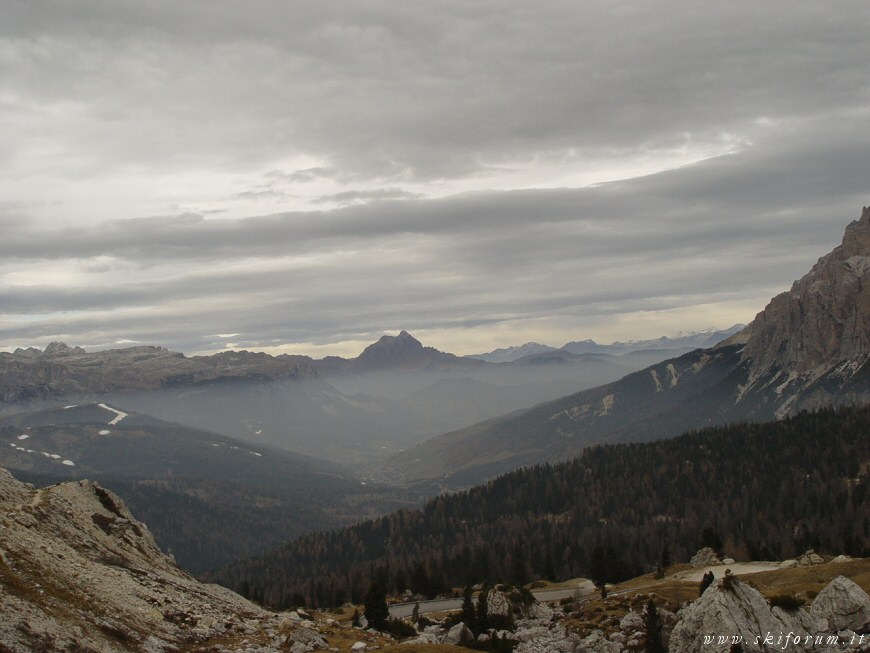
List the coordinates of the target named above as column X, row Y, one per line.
column 564, row 585
column 809, row 581
column 671, row 593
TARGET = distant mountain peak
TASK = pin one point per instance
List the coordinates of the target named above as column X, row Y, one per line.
column 510, row 354
column 402, row 352
column 61, row 349
column 392, row 344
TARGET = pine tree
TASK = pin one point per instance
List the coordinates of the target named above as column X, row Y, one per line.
column 482, row 610
column 375, row 607
column 653, row 626
column 469, row 616
column 549, row 570
column 706, row 581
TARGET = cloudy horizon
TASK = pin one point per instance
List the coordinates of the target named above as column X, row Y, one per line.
column 303, row 177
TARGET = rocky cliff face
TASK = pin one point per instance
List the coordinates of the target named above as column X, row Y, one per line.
column 824, row 319
column 79, row 573
column 812, row 343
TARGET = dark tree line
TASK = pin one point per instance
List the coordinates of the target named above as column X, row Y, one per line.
column 754, row 491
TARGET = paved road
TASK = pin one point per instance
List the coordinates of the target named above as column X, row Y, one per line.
column 401, row 610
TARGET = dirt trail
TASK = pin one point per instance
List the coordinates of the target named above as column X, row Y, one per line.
column 738, row 569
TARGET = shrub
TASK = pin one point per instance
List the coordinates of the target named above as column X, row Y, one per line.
column 788, row 602
column 399, row 628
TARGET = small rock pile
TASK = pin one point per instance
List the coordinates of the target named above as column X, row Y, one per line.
column 705, row 557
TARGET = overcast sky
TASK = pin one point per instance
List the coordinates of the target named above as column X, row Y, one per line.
column 305, row 176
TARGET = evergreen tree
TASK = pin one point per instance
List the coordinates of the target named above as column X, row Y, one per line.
column 415, row 613
column 710, row 537
column 665, row 558
column 482, row 610
column 706, row 581
column 653, row 626
column 549, row 569
column 468, row 614
column 375, row 607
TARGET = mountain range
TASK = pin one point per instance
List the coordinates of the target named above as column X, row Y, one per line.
column 693, row 340
column 808, row 348
column 354, row 412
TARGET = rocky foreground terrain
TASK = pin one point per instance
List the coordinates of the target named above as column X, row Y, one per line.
column 79, row 573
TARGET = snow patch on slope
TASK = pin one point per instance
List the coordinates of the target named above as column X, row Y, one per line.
column 674, row 374
column 119, row 414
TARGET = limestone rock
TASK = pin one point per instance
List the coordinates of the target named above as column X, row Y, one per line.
column 705, row 557
column 735, row 612
column 844, row 606
column 821, row 327
column 810, row 558
column 458, row 635
column 632, row 622
column 423, row 638
column 506, row 600
column 543, row 639
column 596, row 643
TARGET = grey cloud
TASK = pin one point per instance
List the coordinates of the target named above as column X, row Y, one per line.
column 395, row 92
column 301, row 176
column 265, row 193
column 356, row 196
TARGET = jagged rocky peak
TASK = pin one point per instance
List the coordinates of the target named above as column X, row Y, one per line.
column 55, row 349
column 824, row 320
column 392, row 349
column 402, row 342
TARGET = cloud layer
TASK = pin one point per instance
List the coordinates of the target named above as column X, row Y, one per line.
column 302, row 174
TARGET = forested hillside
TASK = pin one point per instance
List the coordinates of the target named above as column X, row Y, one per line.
column 761, row 491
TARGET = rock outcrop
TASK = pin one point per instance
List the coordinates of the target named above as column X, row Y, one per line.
column 78, row 572
column 842, row 605
column 705, row 557
column 809, row 559
column 731, row 612
column 824, row 319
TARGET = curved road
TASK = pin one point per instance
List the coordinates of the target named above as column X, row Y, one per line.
column 400, row 610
